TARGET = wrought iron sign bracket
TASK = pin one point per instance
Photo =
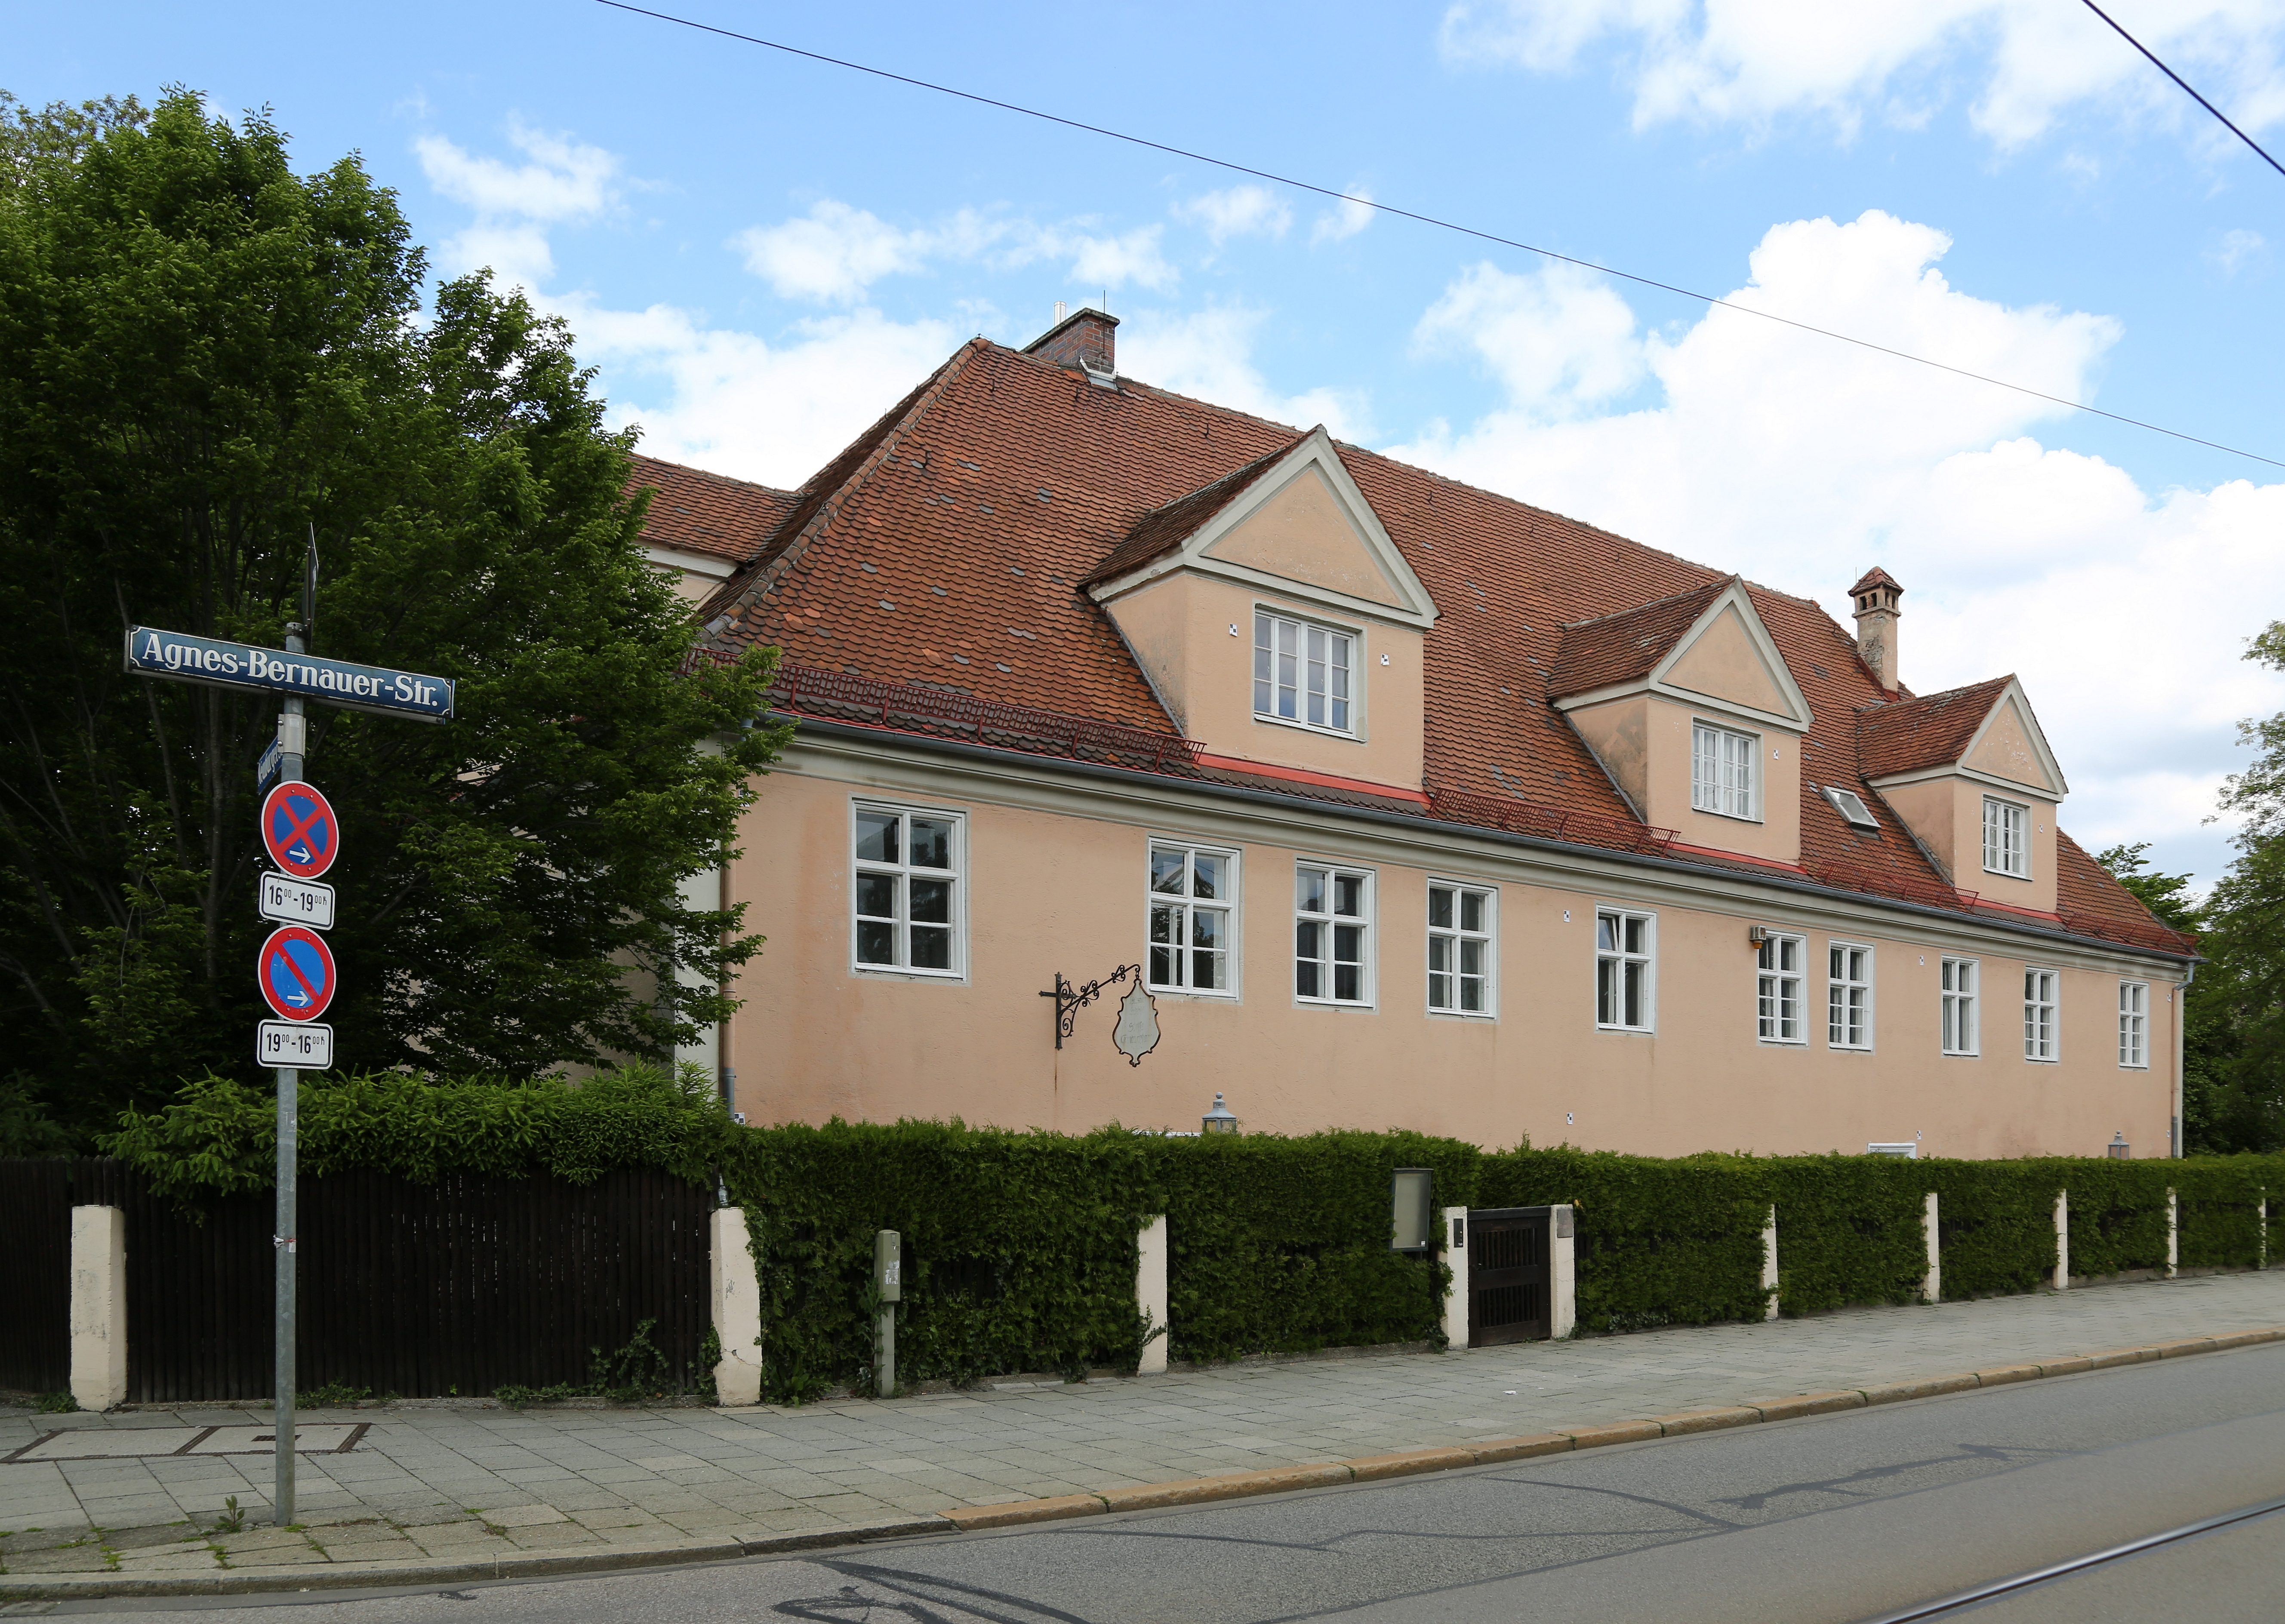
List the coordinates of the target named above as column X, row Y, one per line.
column 1071, row 999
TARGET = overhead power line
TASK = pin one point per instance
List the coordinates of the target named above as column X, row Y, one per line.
column 2178, row 79
column 1448, row 225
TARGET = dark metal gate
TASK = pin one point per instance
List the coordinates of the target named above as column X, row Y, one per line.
column 1507, row 1276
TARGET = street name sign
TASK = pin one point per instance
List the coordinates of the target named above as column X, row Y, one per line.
column 266, row 769
column 178, row 655
column 299, row 830
column 297, row 973
column 295, row 902
column 306, row 1046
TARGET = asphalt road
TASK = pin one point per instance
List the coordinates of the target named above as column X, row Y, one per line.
column 1841, row 1518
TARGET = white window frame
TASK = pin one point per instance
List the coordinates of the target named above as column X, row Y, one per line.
column 2134, row 1025
column 1618, row 958
column 2007, row 837
column 1781, row 994
column 2042, row 1036
column 1719, row 756
column 1838, row 991
column 906, row 872
column 1188, row 905
column 1272, row 686
column 1960, row 981
column 1329, row 923
column 1455, row 938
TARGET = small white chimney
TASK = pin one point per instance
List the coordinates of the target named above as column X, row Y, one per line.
column 1876, row 598
column 1062, row 310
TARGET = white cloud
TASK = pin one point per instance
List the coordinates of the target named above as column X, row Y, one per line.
column 1799, row 461
column 1345, row 219
column 2238, row 249
column 1749, row 61
column 835, row 253
column 1209, row 354
column 1239, row 211
column 565, row 181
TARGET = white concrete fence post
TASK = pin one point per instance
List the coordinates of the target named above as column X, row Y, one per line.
column 1150, row 1293
column 2265, row 1231
column 1770, row 1266
column 2173, row 1235
column 2063, row 1240
column 737, row 1310
column 1456, row 1297
column 1562, row 1272
column 1931, row 1238
column 99, row 1308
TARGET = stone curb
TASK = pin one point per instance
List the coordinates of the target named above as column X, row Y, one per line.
column 1194, row 1491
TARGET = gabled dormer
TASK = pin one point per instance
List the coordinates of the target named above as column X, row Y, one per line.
column 1690, row 710
column 1277, row 620
column 1970, row 773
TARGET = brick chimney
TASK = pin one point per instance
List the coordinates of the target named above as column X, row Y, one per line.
column 1085, row 340
column 1877, row 613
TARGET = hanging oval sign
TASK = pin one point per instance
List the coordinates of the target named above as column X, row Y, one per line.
column 297, row 973
column 299, row 830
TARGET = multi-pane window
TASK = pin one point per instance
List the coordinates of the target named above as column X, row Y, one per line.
column 2039, row 1038
column 1333, row 911
column 1193, row 891
column 1301, row 673
column 1961, row 1032
column 2134, row 1024
column 2007, row 848
column 1624, row 943
column 1784, row 962
column 907, row 879
column 1848, row 996
column 1721, row 770
column 1460, row 949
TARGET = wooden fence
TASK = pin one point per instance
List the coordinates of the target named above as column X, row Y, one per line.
column 462, row 1286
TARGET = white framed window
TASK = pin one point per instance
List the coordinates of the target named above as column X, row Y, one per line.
column 906, row 902
column 1723, row 778
column 1783, row 963
column 1625, row 972
column 1961, row 1034
column 1847, row 995
column 1304, row 673
column 1332, row 922
column 2041, row 1041
column 1461, row 929
column 2134, row 1025
column 2007, row 843
column 1193, row 899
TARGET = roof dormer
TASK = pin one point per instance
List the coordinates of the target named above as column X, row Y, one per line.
column 1690, row 710
column 1277, row 620
column 1970, row 773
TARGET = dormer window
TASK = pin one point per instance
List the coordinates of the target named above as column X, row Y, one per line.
column 1722, row 776
column 2006, row 839
column 1302, row 673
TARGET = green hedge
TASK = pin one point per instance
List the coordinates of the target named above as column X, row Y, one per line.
column 1021, row 1246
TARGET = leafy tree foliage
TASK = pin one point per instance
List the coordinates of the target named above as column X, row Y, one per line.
column 203, row 356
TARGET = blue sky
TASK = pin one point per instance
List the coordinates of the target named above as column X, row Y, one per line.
column 759, row 254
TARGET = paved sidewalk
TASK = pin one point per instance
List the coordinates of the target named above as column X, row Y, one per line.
column 479, row 1486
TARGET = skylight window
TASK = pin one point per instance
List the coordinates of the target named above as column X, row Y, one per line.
column 1851, row 806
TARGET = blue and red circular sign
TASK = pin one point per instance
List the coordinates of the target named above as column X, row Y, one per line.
column 300, row 831
column 297, row 973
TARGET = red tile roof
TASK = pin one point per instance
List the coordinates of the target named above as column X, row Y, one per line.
column 947, row 547
column 1932, row 731
column 693, row 511
column 1164, row 529
column 1595, row 654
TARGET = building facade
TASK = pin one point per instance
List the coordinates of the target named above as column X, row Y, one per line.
column 1405, row 804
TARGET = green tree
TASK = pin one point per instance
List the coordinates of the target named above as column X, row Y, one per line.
column 203, row 355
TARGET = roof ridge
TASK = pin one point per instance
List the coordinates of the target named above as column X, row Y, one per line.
column 1922, row 699
column 1652, row 603
column 862, row 455
column 728, row 479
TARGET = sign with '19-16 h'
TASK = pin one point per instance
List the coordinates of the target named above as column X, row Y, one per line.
column 329, row 682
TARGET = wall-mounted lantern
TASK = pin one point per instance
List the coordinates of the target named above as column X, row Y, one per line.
column 1221, row 1120
column 2118, row 1149
column 1409, row 1194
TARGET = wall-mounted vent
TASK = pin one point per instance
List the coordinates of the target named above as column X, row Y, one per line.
column 1908, row 1151
column 1851, row 806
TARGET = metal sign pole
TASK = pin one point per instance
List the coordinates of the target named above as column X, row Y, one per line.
column 292, row 738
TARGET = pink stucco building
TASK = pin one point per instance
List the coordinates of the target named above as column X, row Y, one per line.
column 1415, row 806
